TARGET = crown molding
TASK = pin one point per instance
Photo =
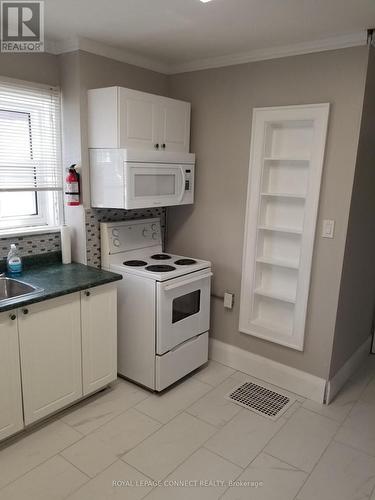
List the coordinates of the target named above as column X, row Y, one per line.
column 100, row 49
column 60, row 47
column 87, row 45
column 332, row 43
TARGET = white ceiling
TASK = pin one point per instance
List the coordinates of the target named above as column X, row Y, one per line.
column 184, row 33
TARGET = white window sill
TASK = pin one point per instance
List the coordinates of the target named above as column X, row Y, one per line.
column 24, row 231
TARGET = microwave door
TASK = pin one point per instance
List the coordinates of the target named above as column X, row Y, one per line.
column 153, row 185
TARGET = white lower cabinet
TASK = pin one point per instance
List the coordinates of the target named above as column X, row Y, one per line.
column 50, row 346
column 11, row 417
column 99, row 337
column 54, row 352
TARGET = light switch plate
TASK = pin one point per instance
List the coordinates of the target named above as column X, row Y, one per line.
column 328, row 228
column 228, row 300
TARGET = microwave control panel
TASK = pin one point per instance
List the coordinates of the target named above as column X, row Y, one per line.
column 188, row 179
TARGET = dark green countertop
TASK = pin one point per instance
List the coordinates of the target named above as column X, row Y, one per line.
column 57, row 279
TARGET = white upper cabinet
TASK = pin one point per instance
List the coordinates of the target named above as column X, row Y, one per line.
column 175, row 125
column 286, row 161
column 11, row 416
column 138, row 120
column 125, row 118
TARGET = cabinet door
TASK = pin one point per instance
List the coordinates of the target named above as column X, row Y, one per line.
column 102, row 118
column 99, row 337
column 11, row 417
column 174, row 125
column 138, row 119
column 50, row 345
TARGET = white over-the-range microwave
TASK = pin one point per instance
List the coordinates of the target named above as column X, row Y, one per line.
column 128, row 179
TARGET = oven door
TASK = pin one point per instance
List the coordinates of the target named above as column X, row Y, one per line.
column 183, row 309
column 148, row 185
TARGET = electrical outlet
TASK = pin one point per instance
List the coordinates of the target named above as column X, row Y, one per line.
column 228, row 300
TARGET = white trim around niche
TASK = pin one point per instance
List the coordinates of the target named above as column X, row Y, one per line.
column 123, row 55
column 302, row 383
column 309, row 155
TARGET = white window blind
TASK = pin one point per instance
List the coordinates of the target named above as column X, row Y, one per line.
column 30, row 151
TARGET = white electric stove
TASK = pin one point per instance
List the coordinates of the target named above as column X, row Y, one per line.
column 163, row 304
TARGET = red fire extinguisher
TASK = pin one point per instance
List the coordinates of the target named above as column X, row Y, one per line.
column 72, row 188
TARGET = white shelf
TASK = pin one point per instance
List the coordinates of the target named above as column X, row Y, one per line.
column 278, row 262
column 289, row 230
column 285, row 195
column 279, row 158
column 276, row 296
column 267, row 325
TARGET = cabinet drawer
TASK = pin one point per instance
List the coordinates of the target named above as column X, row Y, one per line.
column 180, row 361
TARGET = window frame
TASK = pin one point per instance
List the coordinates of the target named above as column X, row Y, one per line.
column 49, row 203
column 44, row 217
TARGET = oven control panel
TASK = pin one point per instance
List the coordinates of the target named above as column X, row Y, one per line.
column 131, row 235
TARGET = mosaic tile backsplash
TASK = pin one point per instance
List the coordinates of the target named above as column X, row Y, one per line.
column 94, row 216
column 31, row 244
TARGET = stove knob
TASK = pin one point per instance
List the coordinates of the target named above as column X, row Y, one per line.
column 116, row 242
column 115, row 232
column 145, row 233
column 154, row 236
column 154, row 227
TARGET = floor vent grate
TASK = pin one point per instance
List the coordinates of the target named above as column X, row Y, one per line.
column 261, row 400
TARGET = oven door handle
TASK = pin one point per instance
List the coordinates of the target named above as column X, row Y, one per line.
column 187, row 282
column 183, row 176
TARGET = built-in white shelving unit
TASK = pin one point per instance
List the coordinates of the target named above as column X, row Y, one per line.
column 287, row 153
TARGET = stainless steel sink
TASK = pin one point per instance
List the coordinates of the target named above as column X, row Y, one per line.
column 11, row 288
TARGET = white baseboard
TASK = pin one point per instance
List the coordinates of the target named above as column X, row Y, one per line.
column 346, row 371
column 283, row 376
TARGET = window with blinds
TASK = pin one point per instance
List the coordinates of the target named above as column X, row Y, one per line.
column 30, row 154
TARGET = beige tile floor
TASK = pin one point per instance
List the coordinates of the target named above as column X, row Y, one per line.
column 191, row 443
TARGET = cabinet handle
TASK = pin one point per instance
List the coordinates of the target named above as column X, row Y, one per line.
column 157, row 146
column 12, row 316
column 163, row 146
column 25, row 311
column 87, row 293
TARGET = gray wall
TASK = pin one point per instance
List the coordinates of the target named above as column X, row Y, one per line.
column 69, row 65
column 40, row 68
column 357, row 293
column 222, row 101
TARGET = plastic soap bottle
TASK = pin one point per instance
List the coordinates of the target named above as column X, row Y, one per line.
column 14, row 261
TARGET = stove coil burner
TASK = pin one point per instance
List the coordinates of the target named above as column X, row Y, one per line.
column 135, row 263
column 160, row 268
column 185, row 262
column 161, row 256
